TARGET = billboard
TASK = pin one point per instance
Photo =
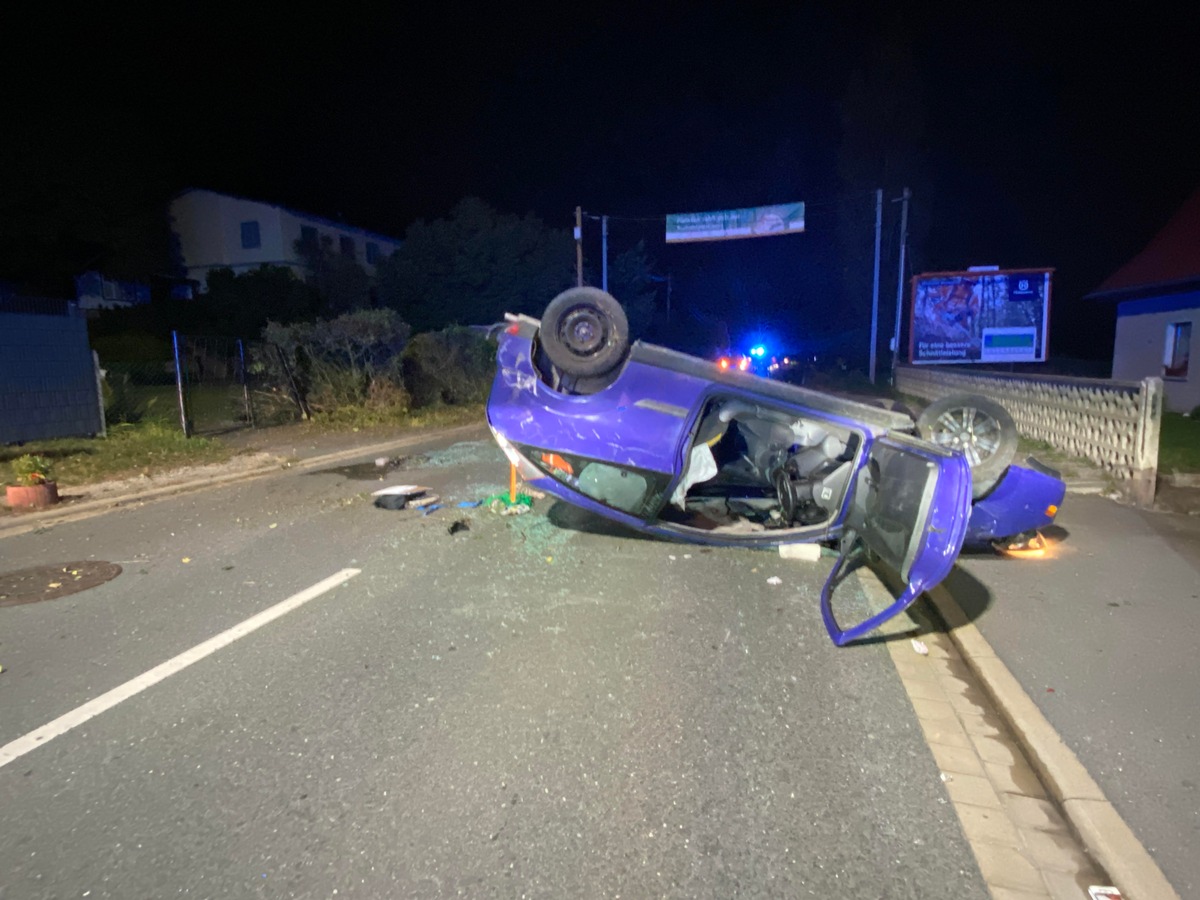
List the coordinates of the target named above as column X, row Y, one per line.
column 728, row 224
column 980, row 316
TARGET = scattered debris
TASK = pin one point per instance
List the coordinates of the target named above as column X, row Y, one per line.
column 500, row 503
column 1099, row 892
column 399, row 496
column 774, row 579
column 401, row 490
column 457, row 526
column 920, row 647
column 803, row 552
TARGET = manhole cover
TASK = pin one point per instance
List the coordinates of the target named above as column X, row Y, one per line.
column 52, row 582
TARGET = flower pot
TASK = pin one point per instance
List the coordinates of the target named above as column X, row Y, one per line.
column 31, row 496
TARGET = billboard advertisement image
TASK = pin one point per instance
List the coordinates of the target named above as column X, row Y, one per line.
column 998, row 315
column 727, row 224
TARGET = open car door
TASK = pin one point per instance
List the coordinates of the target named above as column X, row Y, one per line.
column 910, row 506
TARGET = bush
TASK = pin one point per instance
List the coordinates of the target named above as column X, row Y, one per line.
column 449, row 367
column 121, row 406
column 352, row 361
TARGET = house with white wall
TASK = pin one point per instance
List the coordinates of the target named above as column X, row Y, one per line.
column 1158, row 310
column 223, row 231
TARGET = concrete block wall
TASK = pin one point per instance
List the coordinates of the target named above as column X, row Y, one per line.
column 48, row 383
column 1113, row 424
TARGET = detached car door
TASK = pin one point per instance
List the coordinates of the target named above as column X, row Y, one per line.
column 910, row 505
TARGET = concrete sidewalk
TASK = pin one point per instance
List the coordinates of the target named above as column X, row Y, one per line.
column 1099, row 638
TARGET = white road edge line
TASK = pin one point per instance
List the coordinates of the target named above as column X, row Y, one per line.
column 106, row 701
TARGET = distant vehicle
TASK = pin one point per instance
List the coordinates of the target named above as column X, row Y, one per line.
column 679, row 447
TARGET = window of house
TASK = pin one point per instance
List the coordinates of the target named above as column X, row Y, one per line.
column 1179, row 346
column 347, row 245
column 250, row 236
column 372, row 253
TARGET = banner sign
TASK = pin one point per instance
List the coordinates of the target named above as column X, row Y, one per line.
column 980, row 317
column 728, row 224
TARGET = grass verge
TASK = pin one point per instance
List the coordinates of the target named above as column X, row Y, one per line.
column 127, row 450
column 154, row 446
column 1179, row 444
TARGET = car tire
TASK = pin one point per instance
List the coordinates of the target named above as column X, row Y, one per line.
column 981, row 428
column 584, row 332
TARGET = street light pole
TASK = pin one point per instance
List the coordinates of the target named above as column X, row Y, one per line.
column 604, row 253
column 904, row 198
column 579, row 246
column 875, row 281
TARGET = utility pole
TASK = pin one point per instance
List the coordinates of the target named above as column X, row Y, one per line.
column 604, row 253
column 579, row 246
column 668, row 296
column 875, row 281
column 904, row 198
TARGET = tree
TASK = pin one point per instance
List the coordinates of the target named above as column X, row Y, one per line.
column 472, row 267
column 341, row 283
column 243, row 304
column 629, row 280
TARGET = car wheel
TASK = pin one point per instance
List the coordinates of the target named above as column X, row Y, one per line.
column 584, row 332
column 980, row 427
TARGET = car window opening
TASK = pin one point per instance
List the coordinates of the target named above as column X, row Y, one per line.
column 752, row 468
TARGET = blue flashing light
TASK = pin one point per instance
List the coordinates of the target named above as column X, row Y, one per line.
column 758, row 351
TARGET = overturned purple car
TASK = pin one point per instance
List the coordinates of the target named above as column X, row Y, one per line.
column 673, row 445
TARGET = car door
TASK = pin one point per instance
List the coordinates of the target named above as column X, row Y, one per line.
column 910, row 504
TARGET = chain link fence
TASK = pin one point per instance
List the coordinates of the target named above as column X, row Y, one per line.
column 210, row 386
column 215, row 385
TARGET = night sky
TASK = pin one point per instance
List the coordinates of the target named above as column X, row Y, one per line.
column 1030, row 136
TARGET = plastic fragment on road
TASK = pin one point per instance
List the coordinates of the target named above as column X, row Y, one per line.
column 774, row 579
column 920, row 647
column 1100, row 892
column 404, row 490
column 458, row 525
column 802, row 552
column 500, row 503
column 399, row 496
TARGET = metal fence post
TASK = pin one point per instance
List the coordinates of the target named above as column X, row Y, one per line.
column 245, row 382
column 183, row 417
column 100, row 392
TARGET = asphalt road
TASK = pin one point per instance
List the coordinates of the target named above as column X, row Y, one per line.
column 535, row 706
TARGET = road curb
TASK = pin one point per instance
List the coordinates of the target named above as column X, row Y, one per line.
column 1105, row 835
column 31, row 521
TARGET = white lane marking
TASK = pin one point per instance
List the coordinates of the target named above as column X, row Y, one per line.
column 64, row 723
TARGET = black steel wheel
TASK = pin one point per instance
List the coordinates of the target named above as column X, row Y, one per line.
column 584, row 332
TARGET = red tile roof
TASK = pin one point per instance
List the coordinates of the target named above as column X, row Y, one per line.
column 1171, row 258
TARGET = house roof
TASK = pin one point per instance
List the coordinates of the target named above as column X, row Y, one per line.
column 330, row 223
column 1169, row 262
